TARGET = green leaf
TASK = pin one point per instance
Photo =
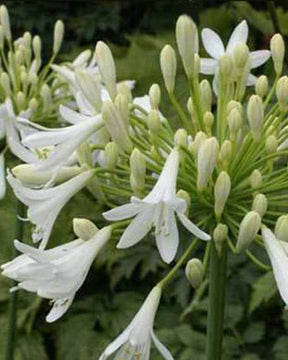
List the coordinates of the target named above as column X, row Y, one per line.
column 263, row 290
column 280, row 348
column 31, row 347
column 254, row 333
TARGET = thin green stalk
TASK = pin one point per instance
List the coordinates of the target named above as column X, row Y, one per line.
column 217, row 282
column 12, row 329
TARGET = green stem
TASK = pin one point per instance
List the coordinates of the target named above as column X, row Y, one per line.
column 13, row 300
column 217, row 281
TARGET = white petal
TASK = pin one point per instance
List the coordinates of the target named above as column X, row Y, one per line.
column 212, row 43
column 59, row 308
column 71, row 116
column 138, row 228
column 161, row 348
column 2, row 177
column 258, row 58
column 239, row 35
column 121, row 212
column 251, row 80
column 34, row 253
column 208, row 66
column 117, row 343
column 215, row 84
column 193, row 228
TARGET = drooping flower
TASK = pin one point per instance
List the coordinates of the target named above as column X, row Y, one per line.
column 44, row 205
column 135, row 340
column 55, row 274
column 157, row 209
column 215, row 48
column 277, row 251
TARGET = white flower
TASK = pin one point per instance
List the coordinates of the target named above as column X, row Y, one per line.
column 278, row 253
column 65, row 140
column 44, row 205
column 2, row 177
column 215, row 48
column 55, row 274
column 135, row 341
column 157, row 209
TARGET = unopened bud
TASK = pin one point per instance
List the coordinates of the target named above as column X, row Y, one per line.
column 46, row 95
column 190, row 106
column 33, row 104
column 168, row 65
column 282, row 93
column 240, row 55
column 5, row 21
column 84, row 228
column 197, row 65
column 137, row 164
column 234, row 105
column 2, row 36
column 111, row 154
column 225, row 66
column 82, row 58
column 221, row 192
column 89, row 87
column 154, row 122
column 277, row 47
column 37, row 47
column 225, row 152
column 187, row 42
column 182, row 194
column 281, row 228
column 206, row 95
column 255, row 114
column 208, row 121
column 123, row 89
column 5, row 83
column 155, row 96
column 206, row 161
column 262, row 86
column 194, row 272
column 58, row 36
column 255, row 179
column 198, row 141
column 122, row 104
column 20, row 100
column 234, row 122
column 248, row 229
column 220, row 235
column 107, row 69
column 271, row 144
column 260, row 204
column 180, row 138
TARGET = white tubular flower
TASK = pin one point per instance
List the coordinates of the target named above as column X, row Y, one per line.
column 215, row 48
column 277, row 252
column 44, row 205
column 55, row 274
column 135, row 340
column 66, row 140
column 157, row 209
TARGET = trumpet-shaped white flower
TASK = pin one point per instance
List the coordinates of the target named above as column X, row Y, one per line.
column 44, row 205
column 157, row 209
column 55, row 274
column 278, row 253
column 135, row 341
column 215, row 48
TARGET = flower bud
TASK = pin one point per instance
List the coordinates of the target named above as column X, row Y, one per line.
column 262, row 86
column 206, row 95
column 271, row 144
column 58, row 36
column 197, row 65
column 208, row 121
column 234, row 122
column 281, row 228
column 248, row 229
column 225, row 66
column 198, row 141
column 187, row 42
column 89, row 87
column 221, row 193
column 225, row 152
column 5, row 21
column 240, row 55
column 107, row 69
column 260, row 204
column 84, row 229
column 206, row 161
column 111, row 154
column 194, row 272
column 220, row 235
column 255, row 179
column 255, row 114
column 82, row 58
column 182, row 194
column 37, row 47
column 5, row 83
column 84, row 154
column 168, row 65
column 122, row 104
column 277, row 47
column 234, row 105
column 154, row 122
column 123, row 89
column 180, row 138
column 2, row 36
column 282, row 93
column 33, row 104
column 137, row 164
column 20, row 100
column 155, row 96
column 46, row 95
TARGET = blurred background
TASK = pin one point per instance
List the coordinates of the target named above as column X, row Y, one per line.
column 255, row 325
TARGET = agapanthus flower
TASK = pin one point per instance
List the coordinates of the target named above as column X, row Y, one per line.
column 55, row 274
column 44, row 205
column 157, row 210
column 135, row 340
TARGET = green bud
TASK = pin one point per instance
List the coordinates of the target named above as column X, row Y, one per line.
column 194, row 272
column 190, row 106
column 220, row 235
column 260, row 204
column 5, row 83
column 225, row 152
column 271, row 144
column 225, row 66
column 282, row 93
column 208, row 120
column 36, row 44
column 111, row 155
column 168, row 65
column 46, row 95
column 281, row 228
column 198, row 141
column 84, row 154
column 234, row 122
column 180, row 138
column 84, row 228
column 262, row 86
column 20, row 100
column 155, row 96
column 206, row 95
column 123, row 89
column 5, row 22
column 2, row 36
column 154, row 122
column 206, row 162
column 221, row 193
column 277, row 46
column 240, row 55
column 255, row 179
column 248, row 229
column 137, row 164
column 33, row 104
column 234, row 105
column 122, row 104
column 255, row 114
column 58, row 36
column 182, row 194
column 197, row 65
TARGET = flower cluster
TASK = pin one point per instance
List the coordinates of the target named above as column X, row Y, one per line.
column 220, row 174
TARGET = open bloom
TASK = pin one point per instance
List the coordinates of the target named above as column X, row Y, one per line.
column 44, row 205
column 215, row 48
column 277, row 251
column 157, row 209
column 55, row 274
column 135, row 341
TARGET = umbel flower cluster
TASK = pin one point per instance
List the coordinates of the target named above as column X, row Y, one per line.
column 220, row 175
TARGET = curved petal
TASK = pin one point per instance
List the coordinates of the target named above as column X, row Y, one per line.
column 71, row 116
column 238, row 36
column 59, row 308
column 208, row 66
column 212, row 43
column 258, row 58
column 215, row 84
column 122, row 212
column 251, row 80
column 161, row 348
column 193, row 228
